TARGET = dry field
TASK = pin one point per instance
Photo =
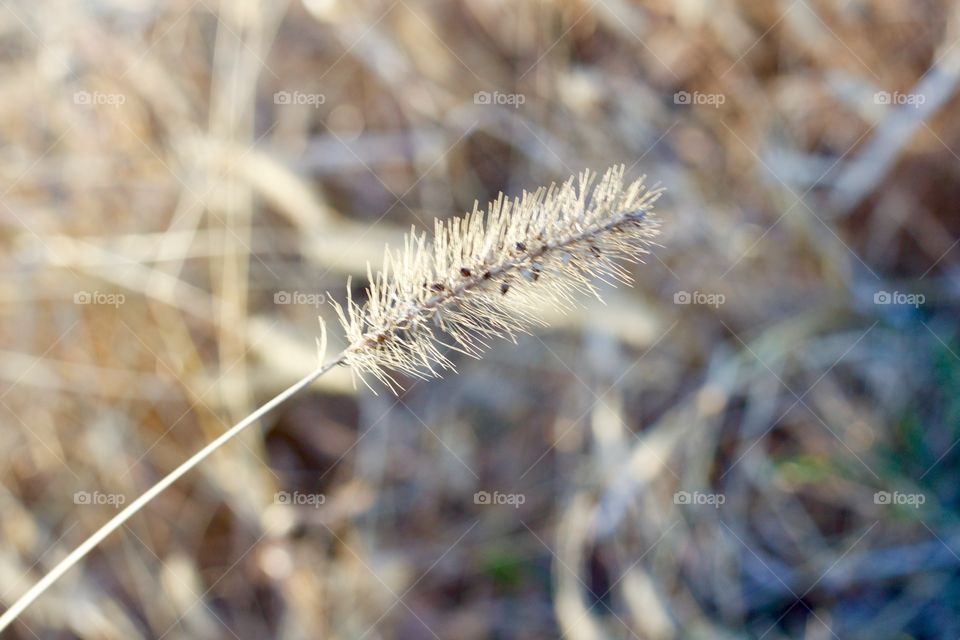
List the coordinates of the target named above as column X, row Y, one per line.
column 758, row 440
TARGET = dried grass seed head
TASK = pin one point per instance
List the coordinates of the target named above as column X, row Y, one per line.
column 490, row 273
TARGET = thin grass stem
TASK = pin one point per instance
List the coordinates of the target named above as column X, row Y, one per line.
column 134, row 507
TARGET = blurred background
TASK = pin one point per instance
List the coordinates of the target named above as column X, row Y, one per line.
column 759, row 440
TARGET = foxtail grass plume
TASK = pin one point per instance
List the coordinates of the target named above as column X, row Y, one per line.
column 489, row 274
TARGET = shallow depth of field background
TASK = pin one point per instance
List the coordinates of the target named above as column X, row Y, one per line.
column 759, row 440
